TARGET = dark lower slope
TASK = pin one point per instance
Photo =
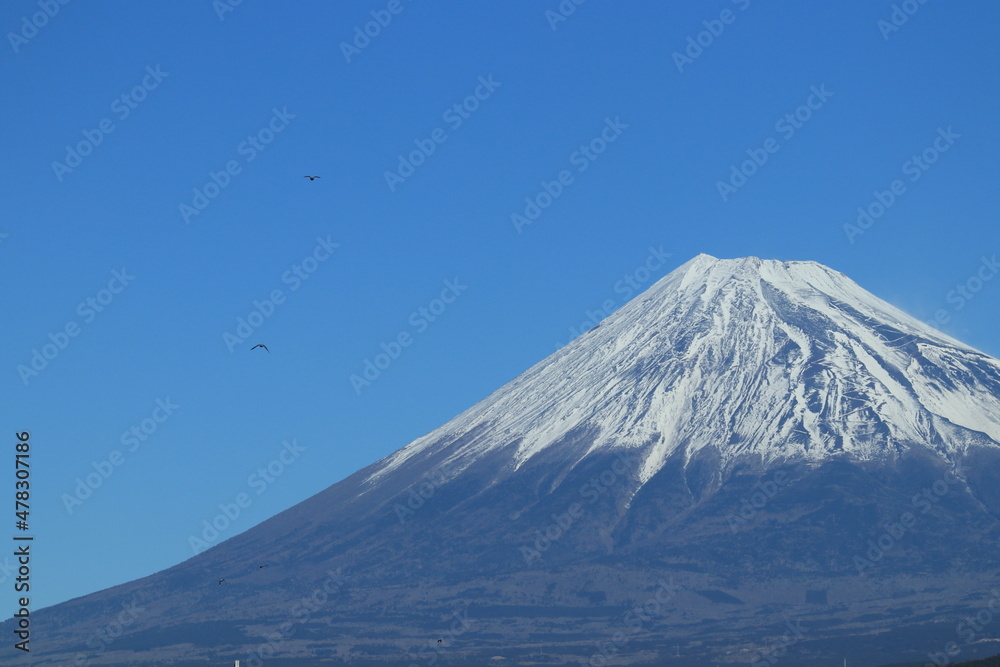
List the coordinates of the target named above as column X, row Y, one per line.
column 880, row 563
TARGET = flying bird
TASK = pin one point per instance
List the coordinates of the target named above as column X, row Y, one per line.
column 262, row 565
column 260, row 345
column 220, row 581
column 312, row 178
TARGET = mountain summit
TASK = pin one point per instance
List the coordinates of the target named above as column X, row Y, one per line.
column 747, row 358
column 751, row 459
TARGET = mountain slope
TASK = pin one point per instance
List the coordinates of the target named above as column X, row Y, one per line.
column 745, row 443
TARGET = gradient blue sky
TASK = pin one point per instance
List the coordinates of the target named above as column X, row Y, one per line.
column 655, row 186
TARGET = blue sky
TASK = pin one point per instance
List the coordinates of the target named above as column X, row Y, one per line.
column 590, row 117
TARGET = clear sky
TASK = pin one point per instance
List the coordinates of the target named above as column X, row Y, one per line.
column 168, row 142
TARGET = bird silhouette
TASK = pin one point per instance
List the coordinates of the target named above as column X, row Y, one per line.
column 262, row 565
column 313, row 178
column 260, row 345
column 220, row 581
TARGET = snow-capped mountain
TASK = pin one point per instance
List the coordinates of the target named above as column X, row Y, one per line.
column 778, row 360
column 748, row 444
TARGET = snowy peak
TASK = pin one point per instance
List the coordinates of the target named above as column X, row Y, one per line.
column 757, row 359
